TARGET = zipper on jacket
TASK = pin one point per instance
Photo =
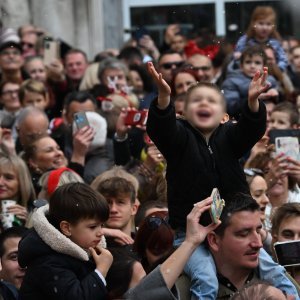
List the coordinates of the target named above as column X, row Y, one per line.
column 211, row 154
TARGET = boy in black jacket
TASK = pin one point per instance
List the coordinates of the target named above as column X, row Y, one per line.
column 62, row 253
column 202, row 153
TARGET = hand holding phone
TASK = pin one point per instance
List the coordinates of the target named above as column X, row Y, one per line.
column 216, row 206
column 51, row 51
column 134, row 118
column 81, row 120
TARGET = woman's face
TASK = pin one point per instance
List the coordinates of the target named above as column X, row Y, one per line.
column 136, row 81
column 9, row 183
column 182, row 82
column 36, row 70
column 48, row 155
column 258, row 189
column 280, row 188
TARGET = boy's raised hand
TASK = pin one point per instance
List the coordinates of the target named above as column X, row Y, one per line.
column 257, row 86
column 164, row 90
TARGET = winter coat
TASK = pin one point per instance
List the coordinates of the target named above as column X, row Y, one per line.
column 57, row 268
column 235, row 88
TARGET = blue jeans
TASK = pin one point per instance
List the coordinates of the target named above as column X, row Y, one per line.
column 202, row 271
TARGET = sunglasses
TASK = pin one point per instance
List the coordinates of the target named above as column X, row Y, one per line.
column 169, row 65
column 204, row 68
column 155, row 222
column 253, row 172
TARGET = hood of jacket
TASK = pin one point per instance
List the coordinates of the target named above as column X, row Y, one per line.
column 44, row 238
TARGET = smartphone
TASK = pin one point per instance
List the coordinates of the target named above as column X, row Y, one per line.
column 217, row 205
column 287, row 253
column 287, row 145
column 134, row 117
column 81, row 120
column 51, row 51
column 274, row 133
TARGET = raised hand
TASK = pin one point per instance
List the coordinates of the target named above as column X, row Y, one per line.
column 257, row 86
column 195, row 232
column 164, row 90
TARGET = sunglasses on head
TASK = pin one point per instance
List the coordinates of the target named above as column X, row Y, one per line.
column 154, row 222
column 253, row 172
column 169, row 65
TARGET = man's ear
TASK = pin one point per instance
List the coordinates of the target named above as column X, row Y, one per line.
column 213, row 241
column 225, row 118
column 65, row 228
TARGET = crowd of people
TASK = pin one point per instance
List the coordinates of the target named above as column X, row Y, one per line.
column 111, row 164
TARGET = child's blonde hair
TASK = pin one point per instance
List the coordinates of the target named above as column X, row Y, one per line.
column 261, row 13
column 34, row 86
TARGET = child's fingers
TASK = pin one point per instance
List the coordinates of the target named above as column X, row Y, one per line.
column 256, row 76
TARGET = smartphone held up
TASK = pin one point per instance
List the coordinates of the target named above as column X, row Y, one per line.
column 136, row 117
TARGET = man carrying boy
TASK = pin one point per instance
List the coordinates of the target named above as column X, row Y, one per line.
column 202, row 153
column 235, row 245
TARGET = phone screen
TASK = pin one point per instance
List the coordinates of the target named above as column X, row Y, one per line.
column 288, row 253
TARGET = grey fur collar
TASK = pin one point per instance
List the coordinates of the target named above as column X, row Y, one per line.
column 53, row 237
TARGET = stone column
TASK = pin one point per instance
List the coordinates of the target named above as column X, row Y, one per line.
column 57, row 17
column 14, row 13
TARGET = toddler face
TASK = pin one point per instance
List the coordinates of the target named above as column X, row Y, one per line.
column 280, row 120
column 263, row 28
column 205, row 109
column 86, row 233
column 251, row 64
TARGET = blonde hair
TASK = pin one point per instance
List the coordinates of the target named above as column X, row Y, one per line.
column 34, row 86
column 115, row 171
column 261, row 13
column 67, row 176
column 26, row 190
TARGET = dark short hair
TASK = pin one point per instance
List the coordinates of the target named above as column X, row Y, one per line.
column 167, row 52
column 78, row 96
column 254, row 50
column 285, row 211
column 75, row 51
column 13, row 232
column 290, row 109
column 116, row 186
column 233, row 204
column 76, row 201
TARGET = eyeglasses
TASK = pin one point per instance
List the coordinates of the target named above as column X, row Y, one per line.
column 10, row 92
column 10, row 52
column 253, row 172
column 169, row 65
column 204, row 68
column 155, row 222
